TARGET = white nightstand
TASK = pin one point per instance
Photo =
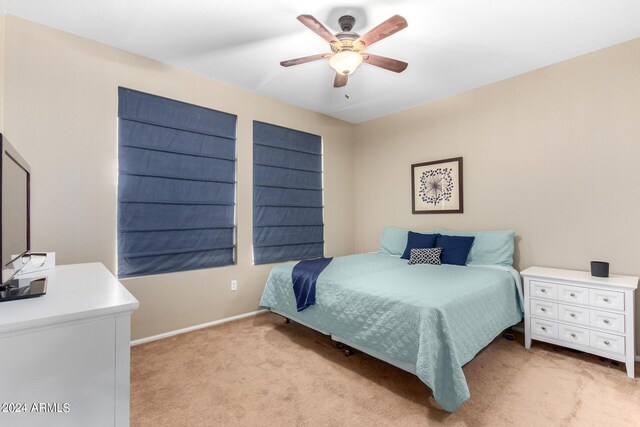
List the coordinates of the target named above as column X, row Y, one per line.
column 574, row 309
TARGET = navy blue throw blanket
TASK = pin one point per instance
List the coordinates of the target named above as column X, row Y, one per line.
column 304, row 276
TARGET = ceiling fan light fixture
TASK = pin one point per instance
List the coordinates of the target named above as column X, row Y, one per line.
column 345, row 62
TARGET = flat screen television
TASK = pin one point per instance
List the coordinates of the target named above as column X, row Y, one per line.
column 15, row 232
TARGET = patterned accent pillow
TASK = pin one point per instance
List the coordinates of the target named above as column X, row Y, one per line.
column 425, row 256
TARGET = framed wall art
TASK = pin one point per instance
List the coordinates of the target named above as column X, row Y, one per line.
column 436, row 187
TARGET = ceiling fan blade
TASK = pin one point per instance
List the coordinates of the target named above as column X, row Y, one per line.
column 340, row 80
column 384, row 62
column 305, row 59
column 384, row 30
column 314, row 25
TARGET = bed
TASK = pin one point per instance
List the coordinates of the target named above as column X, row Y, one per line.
column 429, row 320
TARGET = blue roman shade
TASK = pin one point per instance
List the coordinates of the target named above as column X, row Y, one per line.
column 176, row 185
column 287, row 194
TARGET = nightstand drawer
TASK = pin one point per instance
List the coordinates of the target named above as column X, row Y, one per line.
column 573, row 335
column 608, row 321
column 543, row 289
column 544, row 328
column 571, row 314
column 606, row 299
column 544, row 309
column 607, row 342
column 573, row 294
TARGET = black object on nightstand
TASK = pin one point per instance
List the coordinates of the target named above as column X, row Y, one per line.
column 599, row 269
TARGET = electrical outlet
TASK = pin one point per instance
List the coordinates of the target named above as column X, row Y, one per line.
column 234, row 285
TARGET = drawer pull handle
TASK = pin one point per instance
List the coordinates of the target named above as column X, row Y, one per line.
column 606, row 342
column 543, row 290
column 573, row 315
column 543, row 328
column 605, row 299
column 543, row 309
column 572, row 294
column 573, row 335
column 606, row 321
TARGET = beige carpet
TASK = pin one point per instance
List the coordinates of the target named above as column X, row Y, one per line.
column 261, row 371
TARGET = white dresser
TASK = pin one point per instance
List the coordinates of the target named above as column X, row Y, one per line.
column 576, row 310
column 65, row 355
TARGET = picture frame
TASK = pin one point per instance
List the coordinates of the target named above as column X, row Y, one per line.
column 436, row 187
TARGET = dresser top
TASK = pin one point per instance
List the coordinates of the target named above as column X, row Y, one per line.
column 74, row 292
column 630, row 282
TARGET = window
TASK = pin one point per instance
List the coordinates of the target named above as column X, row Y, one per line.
column 176, row 185
column 287, row 194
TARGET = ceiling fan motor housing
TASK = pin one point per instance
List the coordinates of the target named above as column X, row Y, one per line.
column 346, row 22
column 346, row 36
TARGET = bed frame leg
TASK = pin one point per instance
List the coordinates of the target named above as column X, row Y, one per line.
column 508, row 335
column 348, row 351
column 287, row 320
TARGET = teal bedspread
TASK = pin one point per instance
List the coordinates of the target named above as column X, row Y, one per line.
column 436, row 317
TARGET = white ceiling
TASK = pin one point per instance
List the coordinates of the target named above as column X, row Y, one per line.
column 451, row 45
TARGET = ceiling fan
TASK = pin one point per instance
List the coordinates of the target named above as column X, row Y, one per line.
column 348, row 46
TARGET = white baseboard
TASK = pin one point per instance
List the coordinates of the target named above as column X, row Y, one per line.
column 231, row 319
column 521, row 330
column 194, row 328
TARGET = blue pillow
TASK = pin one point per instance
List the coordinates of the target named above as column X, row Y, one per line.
column 393, row 240
column 418, row 241
column 489, row 247
column 455, row 249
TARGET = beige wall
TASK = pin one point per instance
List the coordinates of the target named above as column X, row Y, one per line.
column 2, row 25
column 553, row 153
column 61, row 114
